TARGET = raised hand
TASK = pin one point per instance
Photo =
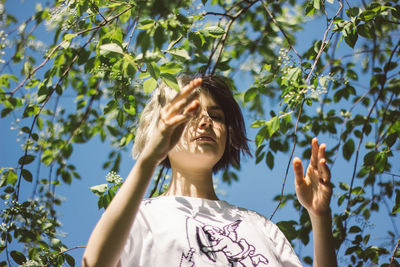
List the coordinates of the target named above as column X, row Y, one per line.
column 314, row 190
column 173, row 118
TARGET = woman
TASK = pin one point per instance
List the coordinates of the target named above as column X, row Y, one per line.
column 197, row 132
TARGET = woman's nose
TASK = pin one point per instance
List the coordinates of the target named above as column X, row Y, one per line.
column 205, row 121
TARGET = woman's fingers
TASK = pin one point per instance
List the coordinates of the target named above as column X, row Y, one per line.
column 183, row 106
column 188, row 89
column 324, row 170
column 186, row 115
column 314, row 153
column 178, row 107
column 298, row 171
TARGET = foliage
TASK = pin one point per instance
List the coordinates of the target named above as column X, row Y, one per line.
column 109, row 55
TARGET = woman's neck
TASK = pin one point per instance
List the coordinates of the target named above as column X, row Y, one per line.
column 191, row 183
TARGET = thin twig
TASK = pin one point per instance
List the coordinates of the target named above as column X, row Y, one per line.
column 103, row 23
column 30, row 74
column 133, row 30
column 282, row 31
column 160, row 174
column 222, row 41
column 391, row 264
column 290, row 159
column 218, row 14
column 45, row 102
column 299, row 114
column 97, row 10
column 323, row 44
column 363, row 131
column 392, row 174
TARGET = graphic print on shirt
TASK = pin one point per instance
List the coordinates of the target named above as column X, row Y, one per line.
column 222, row 245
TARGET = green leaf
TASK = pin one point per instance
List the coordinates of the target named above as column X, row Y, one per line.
column 111, row 105
column 171, row 67
column 358, row 190
column 12, row 177
column 27, row 175
column 344, row 186
column 170, row 80
column 154, row 70
column 18, row 257
column 261, row 135
column 354, row 229
column 270, row 160
column 214, row 31
column 258, row 124
column 129, row 108
column 26, row 159
column 287, row 227
column 179, row 54
column 348, row 149
column 396, row 207
column 108, row 48
column 367, row 15
column 69, row 36
column 121, row 118
column 293, row 74
column 250, row 94
column 149, row 85
column 5, row 112
column 317, row 4
column 350, row 35
column 274, row 125
column 146, row 24
column 99, row 189
column 70, row 260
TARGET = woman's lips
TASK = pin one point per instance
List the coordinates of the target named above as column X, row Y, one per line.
column 205, row 138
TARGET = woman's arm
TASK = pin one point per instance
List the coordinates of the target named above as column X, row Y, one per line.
column 314, row 192
column 112, row 230
column 108, row 238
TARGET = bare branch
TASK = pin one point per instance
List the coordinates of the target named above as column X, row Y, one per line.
column 221, row 43
column 217, row 14
column 103, row 23
column 133, row 30
column 291, row 47
column 290, row 159
column 391, row 264
column 323, row 44
column 363, row 130
column 45, row 102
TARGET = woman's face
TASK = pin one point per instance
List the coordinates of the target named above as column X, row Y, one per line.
column 203, row 141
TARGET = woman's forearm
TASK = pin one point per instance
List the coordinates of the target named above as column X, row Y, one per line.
column 324, row 248
column 111, row 232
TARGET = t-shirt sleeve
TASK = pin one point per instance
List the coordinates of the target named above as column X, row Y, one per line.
column 283, row 248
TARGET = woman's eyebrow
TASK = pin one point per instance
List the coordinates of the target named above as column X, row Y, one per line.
column 215, row 108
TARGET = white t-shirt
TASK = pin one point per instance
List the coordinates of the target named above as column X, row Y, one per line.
column 187, row 231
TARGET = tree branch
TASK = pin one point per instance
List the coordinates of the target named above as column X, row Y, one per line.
column 323, row 44
column 221, row 43
column 103, row 23
column 363, row 131
column 391, row 264
column 291, row 47
column 45, row 102
column 290, row 158
column 301, row 110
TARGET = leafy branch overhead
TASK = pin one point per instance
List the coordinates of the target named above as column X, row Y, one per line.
column 72, row 71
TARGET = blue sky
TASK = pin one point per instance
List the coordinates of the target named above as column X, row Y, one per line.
column 255, row 190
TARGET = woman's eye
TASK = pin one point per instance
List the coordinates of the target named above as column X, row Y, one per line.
column 216, row 117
